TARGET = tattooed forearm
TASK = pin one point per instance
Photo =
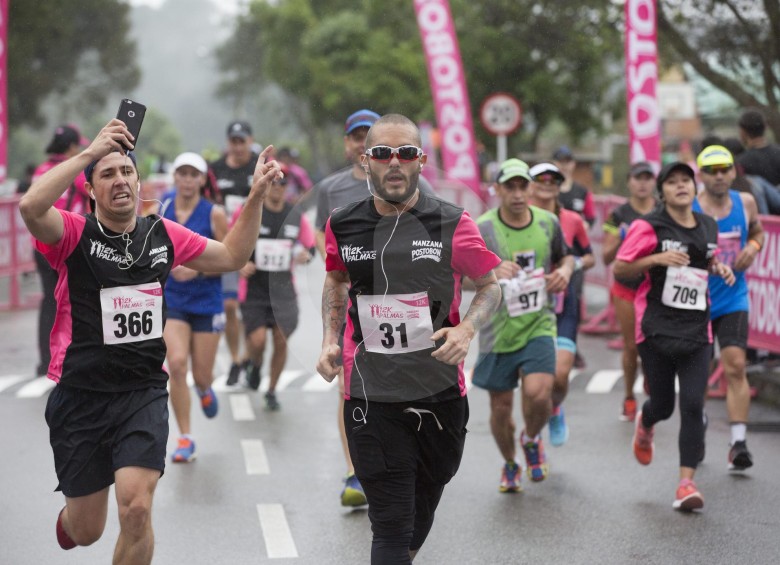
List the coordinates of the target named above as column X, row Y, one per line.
column 485, row 302
column 334, row 305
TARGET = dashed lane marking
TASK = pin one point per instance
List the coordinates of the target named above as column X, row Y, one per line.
column 603, row 381
column 241, row 407
column 255, row 459
column 279, row 542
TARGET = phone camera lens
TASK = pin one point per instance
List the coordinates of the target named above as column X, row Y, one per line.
column 131, row 114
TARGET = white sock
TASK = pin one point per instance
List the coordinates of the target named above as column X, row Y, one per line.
column 738, row 432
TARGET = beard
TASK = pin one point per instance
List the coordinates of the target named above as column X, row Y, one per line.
column 395, row 197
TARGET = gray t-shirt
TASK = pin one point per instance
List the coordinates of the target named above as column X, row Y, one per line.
column 342, row 188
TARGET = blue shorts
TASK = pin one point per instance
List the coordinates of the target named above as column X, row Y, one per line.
column 201, row 323
column 501, row 371
column 230, row 286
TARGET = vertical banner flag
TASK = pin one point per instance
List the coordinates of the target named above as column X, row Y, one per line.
column 3, row 90
column 641, row 77
column 450, row 97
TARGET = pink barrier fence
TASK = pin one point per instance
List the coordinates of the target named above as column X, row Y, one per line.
column 16, row 256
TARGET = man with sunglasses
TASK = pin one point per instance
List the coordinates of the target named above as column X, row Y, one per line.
column 519, row 341
column 336, row 191
column 740, row 238
column 395, row 264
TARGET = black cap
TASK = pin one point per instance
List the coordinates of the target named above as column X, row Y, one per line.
column 669, row 169
column 64, row 137
column 239, row 129
column 563, row 153
column 640, row 168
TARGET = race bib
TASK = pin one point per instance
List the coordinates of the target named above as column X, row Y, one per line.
column 233, row 203
column 273, row 255
column 729, row 245
column 396, row 323
column 132, row 313
column 685, row 288
column 525, row 294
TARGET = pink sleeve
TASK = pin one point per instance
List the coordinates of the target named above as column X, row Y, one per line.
column 79, row 184
column 582, row 235
column 333, row 260
column 306, row 235
column 187, row 245
column 640, row 242
column 588, row 209
column 235, row 216
column 470, row 255
column 72, row 228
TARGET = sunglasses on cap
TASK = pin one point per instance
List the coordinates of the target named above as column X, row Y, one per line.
column 547, row 179
column 383, row 153
column 714, row 169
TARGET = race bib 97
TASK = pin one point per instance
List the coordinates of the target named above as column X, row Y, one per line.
column 685, row 288
column 131, row 313
column 525, row 294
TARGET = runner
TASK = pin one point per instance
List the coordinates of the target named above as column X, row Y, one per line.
column 545, row 188
column 233, row 172
column 269, row 299
column 518, row 343
column 674, row 248
column 641, row 201
column 108, row 414
column 395, row 263
column 196, row 316
column 740, row 238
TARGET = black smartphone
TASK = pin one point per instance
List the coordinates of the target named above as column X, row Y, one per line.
column 132, row 114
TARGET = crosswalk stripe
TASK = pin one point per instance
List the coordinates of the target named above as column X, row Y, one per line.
column 279, row 542
column 603, row 381
column 241, row 408
column 36, row 388
column 9, row 381
column 255, row 459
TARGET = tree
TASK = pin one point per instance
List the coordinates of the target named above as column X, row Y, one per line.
column 68, row 47
column 559, row 61
column 733, row 44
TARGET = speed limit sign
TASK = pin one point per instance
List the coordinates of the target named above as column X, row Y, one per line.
column 501, row 113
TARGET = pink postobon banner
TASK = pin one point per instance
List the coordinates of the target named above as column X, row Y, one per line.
column 764, row 284
column 3, row 90
column 644, row 130
column 450, row 97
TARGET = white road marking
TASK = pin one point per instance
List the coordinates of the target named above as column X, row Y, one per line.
column 639, row 384
column 9, row 381
column 603, row 381
column 285, row 379
column 255, row 459
column 316, row 383
column 36, row 388
column 241, row 408
column 276, row 532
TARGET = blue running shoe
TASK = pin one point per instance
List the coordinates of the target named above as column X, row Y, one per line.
column 559, row 431
column 535, row 460
column 510, row 478
column 208, row 401
column 353, row 494
column 185, row 452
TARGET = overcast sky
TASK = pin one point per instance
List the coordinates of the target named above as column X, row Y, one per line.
column 227, row 6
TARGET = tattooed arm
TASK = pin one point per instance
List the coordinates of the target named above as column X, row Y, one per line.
column 334, row 311
column 485, row 302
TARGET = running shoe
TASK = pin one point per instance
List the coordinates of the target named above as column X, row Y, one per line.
column 208, row 401
column 271, row 403
column 559, row 430
column 63, row 538
column 739, row 456
column 510, row 478
column 629, row 410
column 535, row 460
column 253, row 377
column 688, row 496
column 233, row 374
column 185, row 452
column 643, row 441
column 353, row 494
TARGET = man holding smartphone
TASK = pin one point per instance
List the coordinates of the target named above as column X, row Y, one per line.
column 233, row 172
column 108, row 414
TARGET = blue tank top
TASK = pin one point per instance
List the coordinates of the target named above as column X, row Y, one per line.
column 732, row 238
column 202, row 295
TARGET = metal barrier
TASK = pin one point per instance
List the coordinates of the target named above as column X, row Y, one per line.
column 16, row 256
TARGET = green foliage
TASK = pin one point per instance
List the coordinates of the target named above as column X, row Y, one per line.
column 63, row 47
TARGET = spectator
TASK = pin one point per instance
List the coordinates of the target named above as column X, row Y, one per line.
column 573, row 196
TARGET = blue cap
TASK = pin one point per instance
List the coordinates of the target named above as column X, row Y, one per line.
column 563, row 153
column 91, row 167
column 360, row 119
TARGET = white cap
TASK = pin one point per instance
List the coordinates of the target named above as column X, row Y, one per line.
column 193, row 160
column 548, row 168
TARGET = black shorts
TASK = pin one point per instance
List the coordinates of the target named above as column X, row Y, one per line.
column 731, row 330
column 262, row 315
column 92, row 434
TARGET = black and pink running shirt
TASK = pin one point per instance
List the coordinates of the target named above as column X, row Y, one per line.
column 405, row 278
column 107, row 334
column 672, row 301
